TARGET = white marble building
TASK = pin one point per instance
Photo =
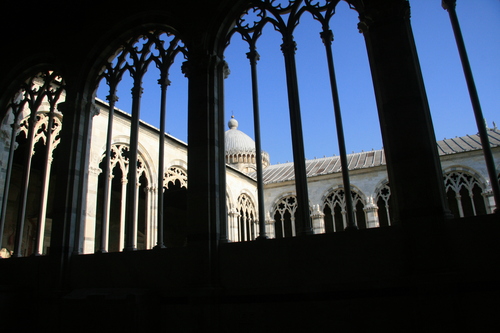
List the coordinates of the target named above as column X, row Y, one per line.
column 465, row 176
column 467, row 183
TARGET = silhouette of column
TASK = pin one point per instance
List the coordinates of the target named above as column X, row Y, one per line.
column 413, row 166
column 327, row 37
column 299, row 160
column 449, row 5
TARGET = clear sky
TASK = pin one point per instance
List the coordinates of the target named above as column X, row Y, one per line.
column 443, row 77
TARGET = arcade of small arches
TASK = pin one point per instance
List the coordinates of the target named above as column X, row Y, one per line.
column 467, row 190
column 126, row 208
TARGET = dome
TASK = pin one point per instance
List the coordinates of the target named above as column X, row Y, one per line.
column 240, row 149
column 237, row 141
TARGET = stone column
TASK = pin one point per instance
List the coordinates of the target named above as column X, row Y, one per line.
column 233, row 224
column 206, row 162
column 91, row 211
column 318, row 220
column 489, row 200
column 371, row 211
column 270, row 227
column 413, row 164
column 123, row 205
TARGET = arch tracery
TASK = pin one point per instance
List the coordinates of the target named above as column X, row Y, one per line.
column 465, row 192
column 32, row 112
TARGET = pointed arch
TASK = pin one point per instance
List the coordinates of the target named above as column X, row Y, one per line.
column 334, row 208
column 465, row 191
column 29, row 137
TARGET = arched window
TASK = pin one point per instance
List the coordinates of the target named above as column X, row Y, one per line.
column 30, row 136
column 142, row 64
column 284, row 217
column 110, row 224
column 298, row 34
column 464, row 193
column 334, row 208
column 247, row 219
column 383, row 199
column 175, row 206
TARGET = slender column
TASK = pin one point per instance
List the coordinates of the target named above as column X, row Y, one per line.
column 253, row 56
column 136, row 220
column 222, row 70
column 344, row 218
column 25, row 185
column 89, row 228
column 131, row 211
column 244, row 228
column 299, row 160
column 8, row 174
column 112, row 99
column 151, row 228
column 40, row 235
column 458, row 197
column 282, row 226
column 471, row 198
column 449, row 5
column 164, row 83
column 327, row 37
column 106, row 216
column 123, row 212
column 233, row 225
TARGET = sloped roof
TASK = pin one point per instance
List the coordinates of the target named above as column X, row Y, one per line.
column 283, row 172
column 467, row 143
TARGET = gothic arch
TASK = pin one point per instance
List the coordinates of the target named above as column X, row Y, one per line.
column 30, row 134
column 284, row 212
column 382, row 198
column 247, row 228
column 333, row 204
column 465, row 191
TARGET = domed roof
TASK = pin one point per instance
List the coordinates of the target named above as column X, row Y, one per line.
column 236, row 140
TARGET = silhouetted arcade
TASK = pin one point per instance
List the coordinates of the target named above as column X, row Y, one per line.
column 109, row 223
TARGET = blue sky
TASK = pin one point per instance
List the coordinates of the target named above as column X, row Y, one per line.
column 443, row 78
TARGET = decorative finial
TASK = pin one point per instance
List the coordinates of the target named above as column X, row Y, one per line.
column 233, row 123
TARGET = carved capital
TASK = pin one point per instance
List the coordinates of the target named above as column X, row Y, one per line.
column 199, row 64
column 112, row 98
column 289, row 45
column 225, row 69
column 137, row 90
column 326, row 37
column 378, row 13
column 94, row 110
column 164, row 81
column 95, row 170
column 253, row 56
column 448, row 4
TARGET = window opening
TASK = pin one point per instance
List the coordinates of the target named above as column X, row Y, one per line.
column 335, row 210
column 175, row 206
column 464, row 194
column 383, row 204
column 153, row 48
column 26, row 197
column 247, row 219
column 284, row 17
